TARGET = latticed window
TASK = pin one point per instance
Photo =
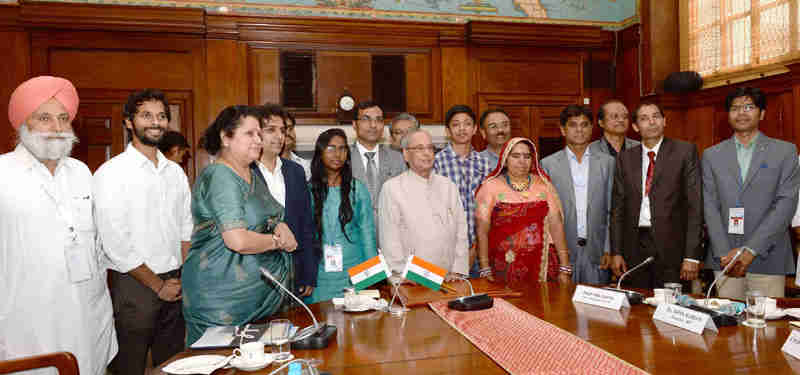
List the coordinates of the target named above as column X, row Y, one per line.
column 735, row 35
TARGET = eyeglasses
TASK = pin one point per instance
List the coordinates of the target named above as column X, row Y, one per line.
column 333, row 149
column 743, row 108
column 646, row 118
column 373, row 120
column 147, row 116
column 617, row 116
column 428, row 148
column 399, row 131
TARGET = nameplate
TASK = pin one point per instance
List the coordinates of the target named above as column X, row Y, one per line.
column 679, row 316
column 792, row 344
column 608, row 299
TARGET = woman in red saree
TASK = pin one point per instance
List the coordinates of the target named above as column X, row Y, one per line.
column 519, row 222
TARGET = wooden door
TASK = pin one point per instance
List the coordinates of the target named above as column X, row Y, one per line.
column 100, row 133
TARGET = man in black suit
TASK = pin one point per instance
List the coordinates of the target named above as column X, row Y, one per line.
column 657, row 206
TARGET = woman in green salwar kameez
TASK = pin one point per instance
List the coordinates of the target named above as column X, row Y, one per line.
column 238, row 228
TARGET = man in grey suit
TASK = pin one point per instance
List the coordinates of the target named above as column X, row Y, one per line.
column 750, row 184
column 613, row 118
column 584, row 180
column 371, row 162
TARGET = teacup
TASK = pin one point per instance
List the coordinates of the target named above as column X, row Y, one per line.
column 251, row 352
column 662, row 295
column 770, row 305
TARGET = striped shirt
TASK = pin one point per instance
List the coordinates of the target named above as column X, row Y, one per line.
column 467, row 173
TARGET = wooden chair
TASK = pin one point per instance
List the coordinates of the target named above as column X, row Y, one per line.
column 64, row 362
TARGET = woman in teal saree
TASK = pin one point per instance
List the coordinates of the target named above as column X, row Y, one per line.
column 238, row 229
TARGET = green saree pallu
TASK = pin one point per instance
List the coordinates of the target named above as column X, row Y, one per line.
column 222, row 287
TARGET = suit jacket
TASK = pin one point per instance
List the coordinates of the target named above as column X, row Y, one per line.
column 300, row 219
column 676, row 206
column 390, row 165
column 768, row 195
column 598, row 207
column 601, row 146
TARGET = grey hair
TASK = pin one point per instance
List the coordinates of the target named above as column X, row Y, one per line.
column 405, row 116
column 407, row 138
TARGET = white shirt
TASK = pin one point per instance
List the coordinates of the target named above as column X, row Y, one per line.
column 306, row 164
column 143, row 212
column 46, row 304
column 363, row 150
column 644, row 211
column 423, row 217
column 580, row 183
column 275, row 181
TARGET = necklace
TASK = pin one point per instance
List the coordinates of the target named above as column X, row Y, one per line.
column 517, row 186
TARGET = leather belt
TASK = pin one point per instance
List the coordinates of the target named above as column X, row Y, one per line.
column 581, row 242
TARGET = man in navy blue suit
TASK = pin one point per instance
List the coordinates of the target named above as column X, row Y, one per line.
column 287, row 184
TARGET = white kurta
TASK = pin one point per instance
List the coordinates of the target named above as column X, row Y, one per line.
column 46, row 304
column 424, row 217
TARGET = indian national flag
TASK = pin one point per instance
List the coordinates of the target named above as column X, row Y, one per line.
column 369, row 272
column 424, row 273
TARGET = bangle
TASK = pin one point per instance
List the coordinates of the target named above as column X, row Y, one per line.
column 485, row 272
column 565, row 269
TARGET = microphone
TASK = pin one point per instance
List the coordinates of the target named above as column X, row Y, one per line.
column 473, row 302
column 633, row 297
column 315, row 336
column 648, row 260
column 721, row 275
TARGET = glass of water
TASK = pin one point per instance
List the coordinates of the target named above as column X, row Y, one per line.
column 279, row 330
column 756, row 304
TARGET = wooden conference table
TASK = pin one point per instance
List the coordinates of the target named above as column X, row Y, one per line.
column 422, row 343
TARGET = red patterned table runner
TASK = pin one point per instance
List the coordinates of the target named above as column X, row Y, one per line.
column 524, row 344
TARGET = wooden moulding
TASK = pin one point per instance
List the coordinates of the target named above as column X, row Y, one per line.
column 538, row 35
column 112, row 17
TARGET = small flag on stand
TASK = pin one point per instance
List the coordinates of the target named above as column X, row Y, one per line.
column 370, row 272
column 424, row 273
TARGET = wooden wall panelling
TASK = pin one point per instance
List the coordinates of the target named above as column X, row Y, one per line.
column 418, row 82
column 123, row 62
column 340, row 70
column 264, row 75
column 599, row 82
column 455, row 89
column 16, row 44
column 226, row 76
column 628, row 83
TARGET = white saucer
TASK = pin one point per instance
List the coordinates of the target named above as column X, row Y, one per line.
column 794, row 313
column 198, row 364
column 777, row 314
column 247, row 366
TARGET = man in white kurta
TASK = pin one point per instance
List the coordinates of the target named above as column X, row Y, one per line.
column 420, row 213
column 53, row 293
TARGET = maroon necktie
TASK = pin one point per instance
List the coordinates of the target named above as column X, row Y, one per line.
column 649, row 180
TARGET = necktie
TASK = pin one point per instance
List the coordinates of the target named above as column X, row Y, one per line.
column 649, row 180
column 372, row 173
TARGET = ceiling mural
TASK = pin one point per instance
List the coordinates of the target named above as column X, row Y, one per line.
column 609, row 13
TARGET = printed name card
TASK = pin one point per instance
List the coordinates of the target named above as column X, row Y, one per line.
column 682, row 317
column 600, row 297
column 792, row 344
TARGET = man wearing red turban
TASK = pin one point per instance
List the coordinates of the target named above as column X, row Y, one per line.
column 53, row 292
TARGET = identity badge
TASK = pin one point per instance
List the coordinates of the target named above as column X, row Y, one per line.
column 333, row 258
column 736, row 220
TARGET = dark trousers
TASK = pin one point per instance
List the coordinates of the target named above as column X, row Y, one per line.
column 655, row 274
column 143, row 321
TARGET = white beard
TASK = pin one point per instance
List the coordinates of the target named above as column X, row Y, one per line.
column 47, row 145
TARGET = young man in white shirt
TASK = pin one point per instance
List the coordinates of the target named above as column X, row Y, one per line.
column 143, row 211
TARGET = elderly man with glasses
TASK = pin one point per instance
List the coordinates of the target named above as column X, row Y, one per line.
column 420, row 213
column 615, row 121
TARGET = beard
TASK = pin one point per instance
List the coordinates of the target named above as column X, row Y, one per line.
column 141, row 135
column 47, row 145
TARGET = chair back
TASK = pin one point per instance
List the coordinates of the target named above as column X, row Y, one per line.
column 64, row 362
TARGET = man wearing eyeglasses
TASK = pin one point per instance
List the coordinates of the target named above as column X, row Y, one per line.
column 420, row 213
column 371, row 162
column 144, row 220
column 400, row 126
column 656, row 206
column 496, row 130
column 750, row 184
column 613, row 118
